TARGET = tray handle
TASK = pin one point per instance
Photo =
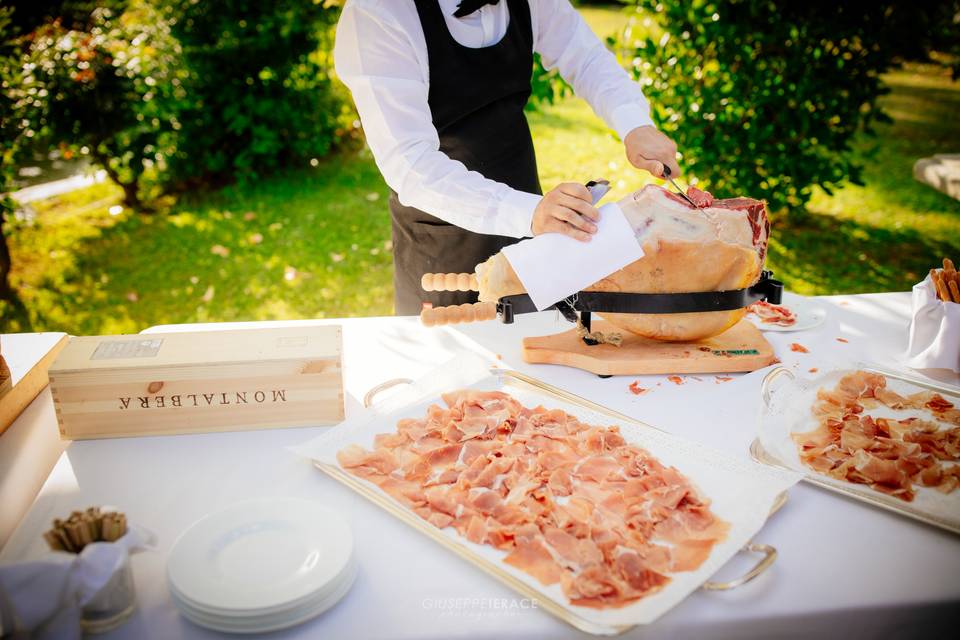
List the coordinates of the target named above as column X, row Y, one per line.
column 766, row 387
column 383, row 386
column 769, row 556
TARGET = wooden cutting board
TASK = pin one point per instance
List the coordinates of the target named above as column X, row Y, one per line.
column 740, row 348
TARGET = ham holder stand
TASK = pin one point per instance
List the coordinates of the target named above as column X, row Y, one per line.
column 738, row 349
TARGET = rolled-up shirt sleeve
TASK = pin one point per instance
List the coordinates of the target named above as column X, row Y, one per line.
column 566, row 43
column 379, row 64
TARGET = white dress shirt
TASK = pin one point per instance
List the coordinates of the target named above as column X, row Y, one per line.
column 381, row 55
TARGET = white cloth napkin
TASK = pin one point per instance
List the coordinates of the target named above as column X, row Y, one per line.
column 45, row 596
column 934, row 330
column 553, row 266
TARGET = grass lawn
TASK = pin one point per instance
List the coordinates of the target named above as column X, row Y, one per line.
column 316, row 242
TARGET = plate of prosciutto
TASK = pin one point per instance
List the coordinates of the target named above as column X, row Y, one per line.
column 873, row 435
column 606, row 521
column 796, row 313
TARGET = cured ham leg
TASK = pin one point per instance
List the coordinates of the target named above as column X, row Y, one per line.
column 717, row 245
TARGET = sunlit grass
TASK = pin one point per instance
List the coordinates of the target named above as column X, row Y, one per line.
column 312, row 243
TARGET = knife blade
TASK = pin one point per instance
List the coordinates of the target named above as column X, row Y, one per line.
column 680, row 192
column 598, row 189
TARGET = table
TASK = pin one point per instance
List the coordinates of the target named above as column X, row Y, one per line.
column 843, row 568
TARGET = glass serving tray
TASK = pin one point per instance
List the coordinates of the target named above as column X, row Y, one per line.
column 786, row 405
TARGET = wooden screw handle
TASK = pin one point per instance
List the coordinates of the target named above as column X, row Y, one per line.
column 449, row 282
column 459, row 313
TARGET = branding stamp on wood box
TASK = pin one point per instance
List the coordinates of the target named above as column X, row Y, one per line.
column 173, row 383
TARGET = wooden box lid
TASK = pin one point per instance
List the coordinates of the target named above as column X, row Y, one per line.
column 203, row 348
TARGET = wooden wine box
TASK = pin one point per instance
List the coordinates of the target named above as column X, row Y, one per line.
column 177, row 383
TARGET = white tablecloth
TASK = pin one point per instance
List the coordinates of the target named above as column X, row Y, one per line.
column 844, row 568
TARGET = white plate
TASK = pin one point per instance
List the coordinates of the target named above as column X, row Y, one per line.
column 330, row 590
column 809, row 315
column 331, row 586
column 260, row 556
column 269, row 622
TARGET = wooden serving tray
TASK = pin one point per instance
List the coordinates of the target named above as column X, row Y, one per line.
column 740, row 348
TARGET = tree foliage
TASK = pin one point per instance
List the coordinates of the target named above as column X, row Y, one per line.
column 9, row 76
column 101, row 80
column 169, row 94
column 764, row 97
column 259, row 92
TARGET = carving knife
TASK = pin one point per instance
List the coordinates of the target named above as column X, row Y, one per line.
column 680, row 192
column 598, row 189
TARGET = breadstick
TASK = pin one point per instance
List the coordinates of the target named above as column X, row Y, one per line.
column 944, row 287
column 948, row 265
column 73, row 531
column 942, row 292
column 955, row 291
column 54, row 541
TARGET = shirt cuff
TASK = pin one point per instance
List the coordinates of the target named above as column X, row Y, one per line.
column 515, row 214
column 628, row 117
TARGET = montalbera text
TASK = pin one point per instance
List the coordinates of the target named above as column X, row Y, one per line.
column 203, row 399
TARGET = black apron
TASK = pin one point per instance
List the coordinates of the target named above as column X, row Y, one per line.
column 476, row 102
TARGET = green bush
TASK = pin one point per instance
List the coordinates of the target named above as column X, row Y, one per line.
column 763, row 98
column 546, row 87
column 100, row 81
column 259, row 93
column 170, row 94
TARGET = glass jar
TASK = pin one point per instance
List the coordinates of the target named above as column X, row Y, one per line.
column 114, row 603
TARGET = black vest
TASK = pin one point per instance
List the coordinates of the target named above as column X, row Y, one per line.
column 476, row 102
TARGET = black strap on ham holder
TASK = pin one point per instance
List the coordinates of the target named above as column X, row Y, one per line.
column 587, row 302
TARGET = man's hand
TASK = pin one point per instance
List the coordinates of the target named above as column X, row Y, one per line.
column 567, row 209
column 649, row 149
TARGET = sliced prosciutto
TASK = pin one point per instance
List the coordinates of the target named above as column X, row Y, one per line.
column 888, row 455
column 773, row 314
column 570, row 503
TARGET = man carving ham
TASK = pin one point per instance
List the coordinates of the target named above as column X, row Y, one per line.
column 440, row 87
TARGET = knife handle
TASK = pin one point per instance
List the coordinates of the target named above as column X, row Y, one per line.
column 449, row 282
column 456, row 314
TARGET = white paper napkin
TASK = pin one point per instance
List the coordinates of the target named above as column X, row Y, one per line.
column 46, row 595
column 934, row 330
column 553, row 266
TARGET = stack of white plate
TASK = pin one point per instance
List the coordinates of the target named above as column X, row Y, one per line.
column 262, row 565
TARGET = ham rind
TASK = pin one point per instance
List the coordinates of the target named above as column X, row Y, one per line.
column 891, row 456
column 567, row 502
